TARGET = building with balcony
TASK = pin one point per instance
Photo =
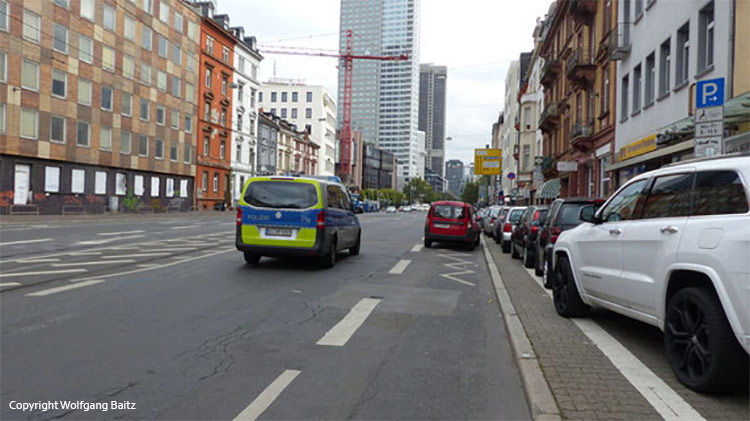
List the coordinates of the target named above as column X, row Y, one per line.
column 311, row 108
column 577, row 121
column 97, row 106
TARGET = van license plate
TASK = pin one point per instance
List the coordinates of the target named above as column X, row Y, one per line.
column 279, row 232
column 443, row 226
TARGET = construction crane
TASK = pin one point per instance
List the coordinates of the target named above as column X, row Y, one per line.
column 347, row 57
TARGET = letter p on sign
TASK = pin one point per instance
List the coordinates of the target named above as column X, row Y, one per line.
column 710, row 93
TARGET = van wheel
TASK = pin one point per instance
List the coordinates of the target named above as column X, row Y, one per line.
column 329, row 260
column 539, row 264
column 567, row 300
column 354, row 251
column 470, row 245
column 700, row 344
column 427, row 243
column 252, row 258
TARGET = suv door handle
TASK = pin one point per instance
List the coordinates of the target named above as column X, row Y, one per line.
column 668, row 230
column 615, row 231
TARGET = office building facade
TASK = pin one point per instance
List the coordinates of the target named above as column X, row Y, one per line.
column 432, row 91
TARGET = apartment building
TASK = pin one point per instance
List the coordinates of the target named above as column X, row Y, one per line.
column 509, row 130
column 97, row 105
column 578, row 121
column 309, row 107
column 268, row 139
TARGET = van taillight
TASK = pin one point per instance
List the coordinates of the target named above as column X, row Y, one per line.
column 507, row 227
column 554, row 233
column 239, row 216
column 322, row 219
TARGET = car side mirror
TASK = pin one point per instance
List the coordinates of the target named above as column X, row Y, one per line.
column 588, row 214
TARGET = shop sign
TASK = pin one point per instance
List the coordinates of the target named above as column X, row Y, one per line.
column 640, row 147
column 567, row 166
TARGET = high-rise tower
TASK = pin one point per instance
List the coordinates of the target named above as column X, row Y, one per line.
column 432, row 88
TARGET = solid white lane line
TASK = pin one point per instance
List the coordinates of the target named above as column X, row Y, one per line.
column 417, row 248
column 668, row 403
column 121, row 233
column 10, row 243
column 136, row 255
column 399, row 267
column 340, row 334
column 45, row 272
column 9, row 284
column 84, row 253
column 38, row 260
column 169, row 249
column 184, row 227
column 266, row 398
column 107, row 240
column 103, row 262
column 147, row 265
column 55, row 290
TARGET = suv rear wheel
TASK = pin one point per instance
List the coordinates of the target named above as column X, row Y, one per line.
column 565, row 294
column 513, row 252
column 700, row 344
column 539, row 261
column 527, row 258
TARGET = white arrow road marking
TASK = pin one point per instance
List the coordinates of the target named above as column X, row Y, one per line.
column 457, row 266
column 266, row 398
column 340, row 334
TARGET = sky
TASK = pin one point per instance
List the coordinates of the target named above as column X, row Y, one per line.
column 476, row 39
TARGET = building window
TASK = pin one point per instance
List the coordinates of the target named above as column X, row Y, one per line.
column 147, row 37
column 59, row 83
column 526, row 157
column 128, row 66
column 204, row 181
column 308, row 112
column 273, row 96
column 193, row 31
column 283, row 97
column 207, row 111
column 163, row 12
column 283, row 112
column 159, row 149
column 148, row 6
column 106, row 98
column 683, row 54
column 3, row 66
column 60, row 39
column 191, row 62
column 178, row 23
column 224, row 117
column 105, row 138
column 294, row 113
column 87, row 9
column 30, row 75
column 145, row 74
column 174, row 120
column 260, row 96
column 109, row 18
column 238, row 153
column 125, row 138
column 57, row 129
column 176, row 54
column 664, row 67
column 129, row 29
column 188, row 124
column 222, row 149
column 224, row 84
column 78, row 181
column 2, row 118
column 173, row 151
column 32, row 24
column 208, row 77
column 189, row 92
column 145, row 109
column 85, row 49
column 706, row 37
column 240, row 92
column 143, row 145
column 108, row 58
column 637, row 89
column 650, row 78
column 239, row 122
column 241, row 64
column 83, row 135
column 187, row 156
column 127, row 104
column 225, row 54
column 206, row 145
column 162, row 46
column 161, row 80
column 52, row 179
column 161, row 115
column 209, row 45
column 4, row 15
column 638, row 9
column 84, row 92
column 309, row 96
column 216, row 182
column 29, row 124
column 624, row 98
column 294, row 97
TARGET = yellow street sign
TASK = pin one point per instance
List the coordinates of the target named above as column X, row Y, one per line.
column 488, row 162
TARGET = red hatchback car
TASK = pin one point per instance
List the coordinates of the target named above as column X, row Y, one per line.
column 451, row 222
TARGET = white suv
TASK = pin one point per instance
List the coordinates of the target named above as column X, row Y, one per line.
column 671, row 248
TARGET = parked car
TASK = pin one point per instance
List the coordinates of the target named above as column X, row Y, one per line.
column 487, row 222
column 509, row 223
column 296, row 216
column 390, row 209
column 670, row 248
column 563, row 214
column 497, row 226
column 524, row 236
column 453, row 222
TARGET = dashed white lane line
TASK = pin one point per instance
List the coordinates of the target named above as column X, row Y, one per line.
column 107, row 240
column 266, row 398
column 121, row 233
column 184, row 227
column 399, row 267
column 137, row 255
column 55, row 290
column 38, row 260
column 11, row 243
column 44, row 272
column 668, row 403
column 417, row 248
column 339, row 335
column 102, row 262
column 169, row 249
column 9, row 284
column 84, row 253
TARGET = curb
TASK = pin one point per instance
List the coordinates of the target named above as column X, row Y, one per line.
column 541, row 402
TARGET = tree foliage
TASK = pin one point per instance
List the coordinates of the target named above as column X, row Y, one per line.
column 471, row 193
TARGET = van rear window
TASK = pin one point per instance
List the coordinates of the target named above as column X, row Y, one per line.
column 281, row 195
column 448, row 212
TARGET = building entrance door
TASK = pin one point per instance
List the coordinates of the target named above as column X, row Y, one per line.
column 21, row 184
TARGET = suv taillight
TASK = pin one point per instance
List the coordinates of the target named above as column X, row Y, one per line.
column 554, row 233
column 239, row 216
column 507, row 227
column 492, row 220
column 321, row 219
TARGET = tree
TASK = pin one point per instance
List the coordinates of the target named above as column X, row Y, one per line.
column 471, row 193
column 418, row 190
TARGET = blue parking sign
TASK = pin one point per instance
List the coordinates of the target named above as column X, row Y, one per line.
column 709, row 93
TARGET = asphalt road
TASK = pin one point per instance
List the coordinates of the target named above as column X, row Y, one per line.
column 164, row 313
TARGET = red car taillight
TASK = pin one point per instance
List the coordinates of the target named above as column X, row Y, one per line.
column 321, row 219
column 554, row 233
column 492, row 220
column 534, row 229
column 239, row 216
column 507, row 227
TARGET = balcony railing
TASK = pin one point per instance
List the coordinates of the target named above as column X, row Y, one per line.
column 619, row 41
column 550, row 71
column 580, row 68
column 550, row 116
column 583, row 11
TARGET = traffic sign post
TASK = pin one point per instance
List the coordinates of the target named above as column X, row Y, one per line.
column 488, row 162
column 709, row 118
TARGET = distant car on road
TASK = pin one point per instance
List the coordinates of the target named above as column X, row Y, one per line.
column 296, row 216
column 453, row 222
column 390, row 209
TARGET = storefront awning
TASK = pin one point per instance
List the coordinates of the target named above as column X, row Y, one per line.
column 550, row 189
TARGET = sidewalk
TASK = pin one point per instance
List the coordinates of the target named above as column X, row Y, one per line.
column 7, row 220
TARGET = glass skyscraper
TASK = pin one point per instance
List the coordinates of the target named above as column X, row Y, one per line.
column 385, row 100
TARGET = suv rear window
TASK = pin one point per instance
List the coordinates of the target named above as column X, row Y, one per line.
column 515, row 215
column 448, row 212
column 719, row 192
column 569, row 213
column 281, row 194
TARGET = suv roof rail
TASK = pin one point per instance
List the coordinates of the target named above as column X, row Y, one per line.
column 710, row 158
